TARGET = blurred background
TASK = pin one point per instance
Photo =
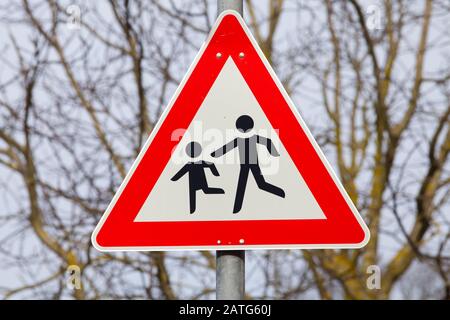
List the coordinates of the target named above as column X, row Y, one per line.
column 82, row 84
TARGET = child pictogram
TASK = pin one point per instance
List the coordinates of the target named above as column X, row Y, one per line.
column 197, row 176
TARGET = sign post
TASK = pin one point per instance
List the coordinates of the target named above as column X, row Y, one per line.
column 230, row 264
column 230, row 166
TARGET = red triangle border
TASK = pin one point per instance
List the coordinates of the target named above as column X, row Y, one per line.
column 343, row 228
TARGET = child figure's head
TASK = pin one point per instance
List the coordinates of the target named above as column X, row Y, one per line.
column 193, row 149
column 244, row 123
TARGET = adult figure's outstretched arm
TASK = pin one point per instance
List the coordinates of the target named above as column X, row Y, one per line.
column 228, row 147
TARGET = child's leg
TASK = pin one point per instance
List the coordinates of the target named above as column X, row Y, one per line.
column 192, row 199
column 208, row 190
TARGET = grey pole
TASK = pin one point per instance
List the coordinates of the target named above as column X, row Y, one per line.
column 236, row 5
column 230, row 274
column 230, row 264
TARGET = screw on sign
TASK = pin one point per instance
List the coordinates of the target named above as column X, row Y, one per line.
column 230, row 165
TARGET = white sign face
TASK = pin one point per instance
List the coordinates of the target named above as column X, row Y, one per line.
column 213, row 126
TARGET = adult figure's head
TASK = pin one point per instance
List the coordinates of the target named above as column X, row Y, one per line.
column 193, row 149
column 244, row 123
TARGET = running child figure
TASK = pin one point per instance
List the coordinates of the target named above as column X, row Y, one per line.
column 197, row 176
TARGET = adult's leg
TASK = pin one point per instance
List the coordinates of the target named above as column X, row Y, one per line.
column 263, row 184
column 240, row 191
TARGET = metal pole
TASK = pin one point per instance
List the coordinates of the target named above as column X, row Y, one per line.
column 230, row 264
column 230, row 275
column 236, row 5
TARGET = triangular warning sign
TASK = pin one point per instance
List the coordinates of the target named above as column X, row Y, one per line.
column 230, row 165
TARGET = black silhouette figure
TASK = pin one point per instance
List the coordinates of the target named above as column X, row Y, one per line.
column 248, row 156
column 197, row 177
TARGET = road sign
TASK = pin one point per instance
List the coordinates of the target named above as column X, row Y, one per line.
column 230, row 165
